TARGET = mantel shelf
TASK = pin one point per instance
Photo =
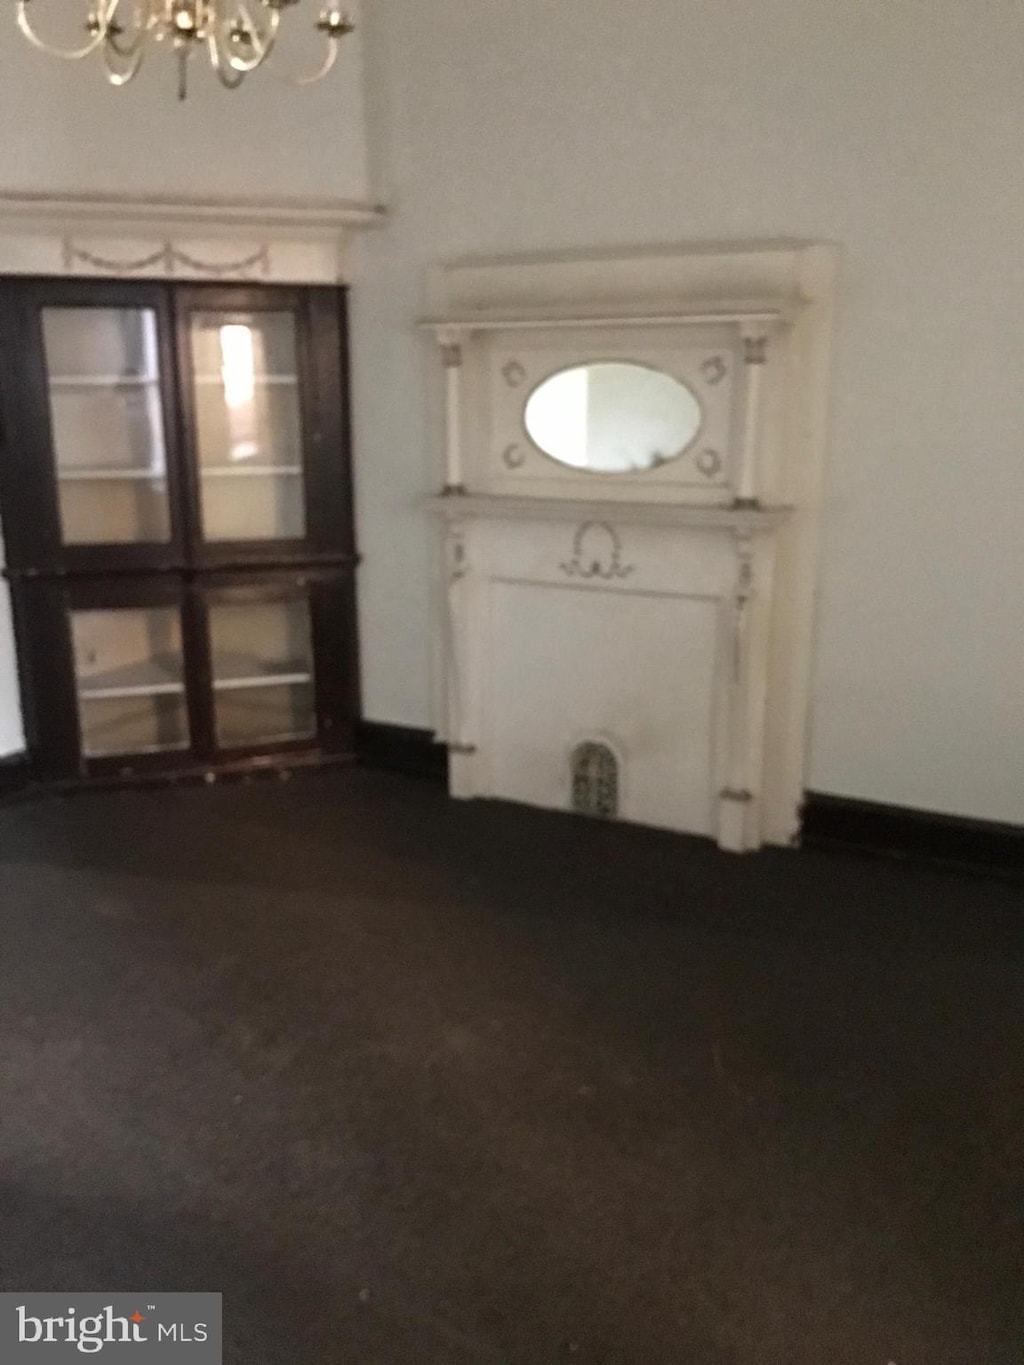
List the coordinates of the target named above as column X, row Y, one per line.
column 458, row 506
column 772, row 312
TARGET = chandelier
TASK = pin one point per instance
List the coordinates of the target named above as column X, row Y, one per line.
column 238, row 37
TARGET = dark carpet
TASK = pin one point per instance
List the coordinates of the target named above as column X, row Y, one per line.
column 415, row 1082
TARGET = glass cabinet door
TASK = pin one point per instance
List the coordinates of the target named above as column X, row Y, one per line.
column 103, row 380
column 130, row 680
column 248, row 425
column 262, row 668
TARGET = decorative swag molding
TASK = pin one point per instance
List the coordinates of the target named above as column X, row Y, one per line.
column 280, row 241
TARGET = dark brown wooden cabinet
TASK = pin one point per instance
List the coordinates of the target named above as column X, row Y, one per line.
column 175, row 483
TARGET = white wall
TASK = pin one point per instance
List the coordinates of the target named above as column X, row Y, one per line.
column 66, row 130
column 892, row 129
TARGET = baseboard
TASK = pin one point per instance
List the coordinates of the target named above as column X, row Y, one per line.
column 898, row 831
column 401, row 749
column 15, row 773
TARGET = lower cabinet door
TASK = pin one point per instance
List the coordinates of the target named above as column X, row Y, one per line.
column 127, row 644
column 129, row 667
column 277, row 655
column 127, row 677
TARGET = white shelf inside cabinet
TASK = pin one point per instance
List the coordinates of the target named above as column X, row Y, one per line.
column 111, row 475
column 102, row 381
column 146, row 679
column 241, row 471
column 259, row 380
column 236, row 670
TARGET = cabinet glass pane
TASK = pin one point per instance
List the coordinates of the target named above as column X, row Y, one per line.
column 103, row 372
column 129, row 674
column 262, row 658
column 248, row 426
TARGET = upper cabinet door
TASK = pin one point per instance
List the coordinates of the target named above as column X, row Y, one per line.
column 264, row 409
column 107, row 425
column 91, row 436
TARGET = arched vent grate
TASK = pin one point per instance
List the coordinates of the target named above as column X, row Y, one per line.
column 595, row 780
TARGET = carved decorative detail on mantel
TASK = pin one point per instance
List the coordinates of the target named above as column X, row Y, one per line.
column 458, row 565
column 597, row 553
column 744, row 592
column 714, row 370
column 709, row 463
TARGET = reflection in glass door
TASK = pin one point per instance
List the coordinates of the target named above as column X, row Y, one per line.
column 262, row 663
column 103, row 374
column 248, row 426
column 130, row 681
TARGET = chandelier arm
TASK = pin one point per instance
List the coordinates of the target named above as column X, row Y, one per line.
column 230, row 78
column 121, row 76
column 187, row 24
column 142, row 23
column 333, row 48
column 263, row 43
column 104, row 16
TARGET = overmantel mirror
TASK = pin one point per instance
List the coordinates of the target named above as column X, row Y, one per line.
column 586, row 412
column 612, row 417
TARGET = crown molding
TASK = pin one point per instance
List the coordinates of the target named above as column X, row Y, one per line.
column 271, row 240
column 125, row 213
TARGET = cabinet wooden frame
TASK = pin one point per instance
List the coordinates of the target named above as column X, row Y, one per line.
column 51, row 580
column 331, row 596
column 28, row 466
column 44, row 612
column 322, row 355
column 28, row 473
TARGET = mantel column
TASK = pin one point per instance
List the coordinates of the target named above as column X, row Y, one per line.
column 756, row 338
column 450, row 341
column 739, row 820
column 460, row 692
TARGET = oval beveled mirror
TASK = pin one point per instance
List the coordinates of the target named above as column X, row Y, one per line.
column 612, row 417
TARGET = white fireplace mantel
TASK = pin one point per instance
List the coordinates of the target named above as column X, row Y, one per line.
column 637, row 638
column 270, row 241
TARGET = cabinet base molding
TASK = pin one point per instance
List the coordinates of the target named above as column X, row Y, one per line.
column 279, row 767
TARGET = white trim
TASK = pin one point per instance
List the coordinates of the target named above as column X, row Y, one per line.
column 297, row 241
column 129, row 212
column 508, row 321
column 458, row 507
